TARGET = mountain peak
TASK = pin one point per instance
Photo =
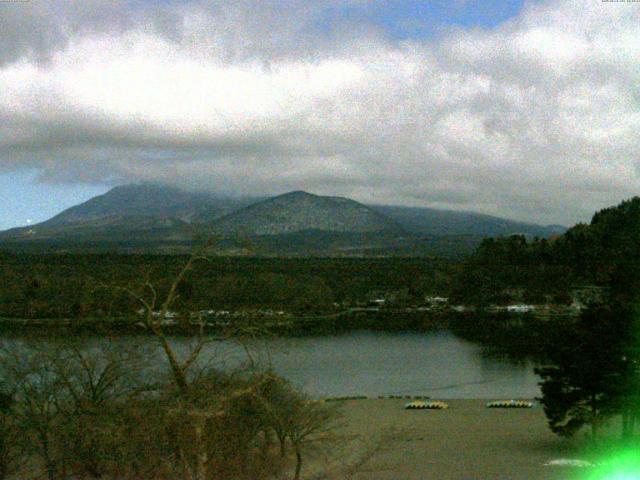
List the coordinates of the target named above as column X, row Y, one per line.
column 123, row 203
column 297, row 193
column 150, row 216
column 299, row 211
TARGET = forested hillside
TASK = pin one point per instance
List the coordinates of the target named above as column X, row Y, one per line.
column 604, row 253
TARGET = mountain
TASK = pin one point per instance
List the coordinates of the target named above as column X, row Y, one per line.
column 301, row 211
column 429, row 221
column 131, row 212
column 141, row 218
column 147, row 201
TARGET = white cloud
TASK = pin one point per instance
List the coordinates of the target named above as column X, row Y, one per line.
column 536, row 119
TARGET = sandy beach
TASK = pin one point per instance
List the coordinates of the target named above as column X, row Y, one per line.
column 466, row 441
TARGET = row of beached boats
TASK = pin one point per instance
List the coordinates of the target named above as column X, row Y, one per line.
column 438, row 405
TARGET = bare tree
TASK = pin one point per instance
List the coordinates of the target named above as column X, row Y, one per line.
column 156, row 315
column 39, row 397
column 294, row 418
column 11, row 444
column 68, row 399
column 87, row 414
column 95, row 376
column 279, row 404
column 98, row 382
column 314, row 426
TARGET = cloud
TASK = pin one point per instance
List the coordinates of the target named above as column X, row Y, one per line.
column 536, row 119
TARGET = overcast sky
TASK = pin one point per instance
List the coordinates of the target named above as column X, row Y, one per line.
column 529, row 110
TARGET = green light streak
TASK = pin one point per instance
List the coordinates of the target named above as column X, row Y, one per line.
column 623, row 465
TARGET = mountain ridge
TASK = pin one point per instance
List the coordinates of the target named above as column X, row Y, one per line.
column 425, row 220
column 298, row 211
column 149, row 217
column 148, row 200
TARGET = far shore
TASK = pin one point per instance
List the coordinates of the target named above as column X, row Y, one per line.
column 291, row 325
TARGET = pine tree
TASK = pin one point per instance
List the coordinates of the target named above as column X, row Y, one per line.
column 588, row 370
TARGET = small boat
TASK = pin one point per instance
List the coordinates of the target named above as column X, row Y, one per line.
column 510, row 404
column 418, row 405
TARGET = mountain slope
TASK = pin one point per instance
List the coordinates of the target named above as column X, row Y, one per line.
column 301, row 211
column 127, row 209
column 429, row 221
column 156, row 218
column 147, row 201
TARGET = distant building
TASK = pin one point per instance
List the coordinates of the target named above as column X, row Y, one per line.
column 377, row 302
column 436, row 300
column 520, row 308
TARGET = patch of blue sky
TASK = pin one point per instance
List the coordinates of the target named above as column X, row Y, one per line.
column 415, row 20
column 24, row 200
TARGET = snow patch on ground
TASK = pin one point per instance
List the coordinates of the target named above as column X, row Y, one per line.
column 568, row 462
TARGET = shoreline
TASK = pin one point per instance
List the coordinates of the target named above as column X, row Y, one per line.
column 519, row 338
column 465, row 441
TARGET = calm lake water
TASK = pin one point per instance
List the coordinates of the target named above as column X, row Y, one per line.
column 436, row 364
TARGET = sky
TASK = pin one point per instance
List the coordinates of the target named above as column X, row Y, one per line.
column 526, row 109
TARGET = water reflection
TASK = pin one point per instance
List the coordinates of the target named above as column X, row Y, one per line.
column 437, row 364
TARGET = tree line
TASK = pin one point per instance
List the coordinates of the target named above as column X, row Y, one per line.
column 602, row 253
column 590, row 363
column 80, row 286
column 593, row 368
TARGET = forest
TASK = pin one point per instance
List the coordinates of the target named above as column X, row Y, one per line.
column 76, row 286
column 500, row 271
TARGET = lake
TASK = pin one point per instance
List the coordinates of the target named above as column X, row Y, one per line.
column 437, row 364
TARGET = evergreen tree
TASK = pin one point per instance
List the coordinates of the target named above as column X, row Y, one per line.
column 588, row 371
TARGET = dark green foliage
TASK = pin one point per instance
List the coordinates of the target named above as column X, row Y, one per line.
column 10, row 435
column 588, row 370
column 6, row 401
column 603, row 253
column 514, row 336
column 595, row 364
column 80, row 286
column 512, row 269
